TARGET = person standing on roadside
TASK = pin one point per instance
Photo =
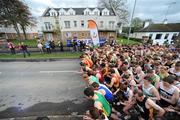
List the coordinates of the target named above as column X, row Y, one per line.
column 24, row 49
column 60, row 44
column 40, row 46
column 47, row 46
column 11, row 47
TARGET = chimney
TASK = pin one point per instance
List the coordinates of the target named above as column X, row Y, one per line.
column 165, row 21
column 146, row 24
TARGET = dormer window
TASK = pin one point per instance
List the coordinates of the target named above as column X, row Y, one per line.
column 61, row 13
column 87, row 12
column 105, row 13
column 53, row 14
column 96, row 13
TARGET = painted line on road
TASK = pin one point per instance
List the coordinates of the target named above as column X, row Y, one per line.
column 64, row 71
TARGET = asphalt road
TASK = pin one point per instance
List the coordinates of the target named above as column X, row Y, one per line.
column 41, row 89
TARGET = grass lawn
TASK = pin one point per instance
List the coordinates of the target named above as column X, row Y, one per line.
column 40, row 56
column 30, row 43
column 125, row 41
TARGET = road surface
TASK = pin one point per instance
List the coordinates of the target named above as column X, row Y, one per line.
column 41, row 88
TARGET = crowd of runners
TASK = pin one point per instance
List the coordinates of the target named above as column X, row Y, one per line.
column 135, row 82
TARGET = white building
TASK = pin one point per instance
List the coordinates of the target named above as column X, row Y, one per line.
column 8, row 32
column 159, row 33
column 74, row 22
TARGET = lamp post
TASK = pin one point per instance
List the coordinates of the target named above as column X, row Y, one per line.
column 131, row 19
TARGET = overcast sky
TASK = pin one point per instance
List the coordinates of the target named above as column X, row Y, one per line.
column 145, row 9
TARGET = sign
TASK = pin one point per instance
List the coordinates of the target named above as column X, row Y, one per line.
column 93, row 32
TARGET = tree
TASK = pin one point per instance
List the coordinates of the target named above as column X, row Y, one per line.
column 15, row 12
column 25, row 18
column 137, row 23
column 57, row 29
column 118, row 7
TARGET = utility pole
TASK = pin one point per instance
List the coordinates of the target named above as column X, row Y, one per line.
column 170, row 4
column 131, row 19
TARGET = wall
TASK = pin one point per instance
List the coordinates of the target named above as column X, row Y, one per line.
column 79, row 31
column 85, row 18
column 160, row 41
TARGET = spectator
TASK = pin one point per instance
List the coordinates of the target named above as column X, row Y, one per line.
column 11, row 47
column 60, row 44
column 47, row 46
column 52, row 45
column 40, row 46
column 24, row 49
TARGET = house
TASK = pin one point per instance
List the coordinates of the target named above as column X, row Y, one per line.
column 8, row 32
column 73, row 22
column 159, row 33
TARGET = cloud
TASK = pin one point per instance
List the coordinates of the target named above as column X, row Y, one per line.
column 50, row 3
column 145, row 9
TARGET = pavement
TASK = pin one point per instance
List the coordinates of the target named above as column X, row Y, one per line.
column 34, row 89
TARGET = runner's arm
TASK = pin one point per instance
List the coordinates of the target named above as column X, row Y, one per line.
column 152, row 104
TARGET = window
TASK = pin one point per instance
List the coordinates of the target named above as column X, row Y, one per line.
column 61, row 13
column 174, row 36
column 111, row 24
column 105, row 13
column 57, row 21
column 75, row 23
column 67, row 24
column 96, row 13
column 82, row 23
column 101, row 24
column 166, row 36
column 158, row 36
column 71, row 13
column 87, row 12
column 53, row 14
column 150, row 36
column 47, row 25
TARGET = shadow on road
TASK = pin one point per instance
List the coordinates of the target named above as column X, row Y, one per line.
column 48, row 108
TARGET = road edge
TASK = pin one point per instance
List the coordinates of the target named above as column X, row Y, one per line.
column 37, row 60
column 54, row 117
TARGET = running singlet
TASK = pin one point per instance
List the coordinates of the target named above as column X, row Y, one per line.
column 94, row 79
column 106, row 107
column 116, row 84
column 146, row 91
column 101, row 79
column 108, row 95
column 154, row 78
column 126, row 93
column 143, row 110
column 166, row 94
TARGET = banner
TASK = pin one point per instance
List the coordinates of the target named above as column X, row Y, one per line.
column 93, row 32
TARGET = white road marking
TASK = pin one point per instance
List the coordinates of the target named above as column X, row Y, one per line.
column 60, row 71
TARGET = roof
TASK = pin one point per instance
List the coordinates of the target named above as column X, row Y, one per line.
column 171, row 27
column 79, row 11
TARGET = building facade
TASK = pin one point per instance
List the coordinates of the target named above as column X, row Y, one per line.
column 73, row 22
column 8, row 32
column 159, row 33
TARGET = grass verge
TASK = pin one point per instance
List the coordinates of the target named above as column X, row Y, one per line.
column 42, row 56
column 126, row 42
